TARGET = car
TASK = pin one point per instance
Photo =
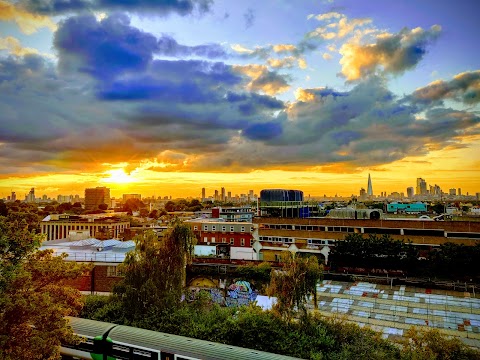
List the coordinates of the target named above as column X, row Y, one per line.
column 425, row 218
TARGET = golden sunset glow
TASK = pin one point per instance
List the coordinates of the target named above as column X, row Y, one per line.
column 118, row 176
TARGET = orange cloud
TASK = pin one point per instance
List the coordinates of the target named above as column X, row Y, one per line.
column 13, row 46
column 28, row 23
column 262, row 79
column 284, row 48
column 392, row 52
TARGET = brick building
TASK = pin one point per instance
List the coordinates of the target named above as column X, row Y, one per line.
column 318, row 235
column 226, row 239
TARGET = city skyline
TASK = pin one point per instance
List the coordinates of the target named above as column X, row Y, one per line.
column 221, row 192
column 168, row 97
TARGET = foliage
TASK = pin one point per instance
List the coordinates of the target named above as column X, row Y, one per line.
column 183, row 205
column 155, row 271
column 352, row 342
column 429, row 344
column 293, row 284
column 438, row 208
column 103, row 207
column 259, row 275
column 447, row 261
column 132, row 205
column 34, row 297
column 3, row 209
column 29, row 216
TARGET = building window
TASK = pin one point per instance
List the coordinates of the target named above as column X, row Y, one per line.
column 242, row 242
column 224, row 240
column 195, row 228
column 243, row 228
column 224, row 228
column 213, row 239
column 213, row 228
column 113, row 271
column 205, row 227
column 232, row 241
column 205, row 238
column 231, row 228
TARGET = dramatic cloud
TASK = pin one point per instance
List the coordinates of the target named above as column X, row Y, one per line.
column 390, row 53
column 103, row 48
column 118, row 94
column 28, row 22
column 464, row 87
column 152, row 7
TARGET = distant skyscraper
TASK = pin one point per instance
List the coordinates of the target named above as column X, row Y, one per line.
column 459, row 192
column 96, row 196
column 203, row 194
column 421, row 187
column 14, row 196
column 223, row 194
column 216, row 195
column 410, row 192
column 369, row 188
column 31, row 196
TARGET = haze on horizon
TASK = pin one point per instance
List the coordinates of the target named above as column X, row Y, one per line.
column 166, row 97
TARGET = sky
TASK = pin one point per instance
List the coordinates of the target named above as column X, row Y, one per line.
column 164, row 97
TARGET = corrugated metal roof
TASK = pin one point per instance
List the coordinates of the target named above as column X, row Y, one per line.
column 199, row 349
column 106, row 243
column 90, row 328
column 86, row 242
column 125, row 244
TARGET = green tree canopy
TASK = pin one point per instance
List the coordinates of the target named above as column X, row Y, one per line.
column 155, row 271
column 294, row 283
column 34, row 296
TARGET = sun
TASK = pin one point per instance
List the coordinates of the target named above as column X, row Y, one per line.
column 118, row 176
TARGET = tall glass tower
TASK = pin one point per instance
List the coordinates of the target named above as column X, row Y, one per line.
column 369, row 188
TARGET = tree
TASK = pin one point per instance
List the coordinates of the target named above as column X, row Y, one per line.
column 3, row 209
column 34, row 297
column 103, row 206
column 294, row 283
column 155, row 272
column 66, row 206
column 132, row 205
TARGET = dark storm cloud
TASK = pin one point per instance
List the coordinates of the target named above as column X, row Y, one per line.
column 103, row 49
column 179, row 81
column 263, row 131
column 152, row 7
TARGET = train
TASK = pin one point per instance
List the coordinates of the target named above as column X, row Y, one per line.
column 102, row 340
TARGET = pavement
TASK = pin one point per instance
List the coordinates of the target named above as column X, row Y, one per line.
column 393, row 310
